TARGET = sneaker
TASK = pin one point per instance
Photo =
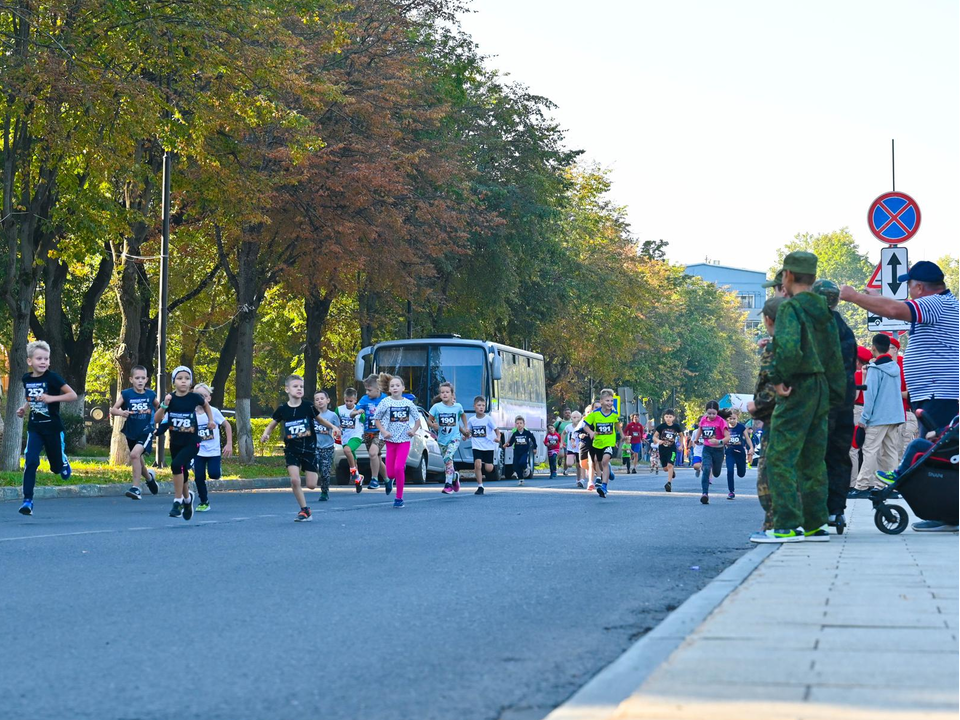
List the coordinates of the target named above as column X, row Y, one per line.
column 388, row 486
column 479, row 491
column 888, row 477
column 521, row 482
column 696, row 472
column 152, row 482
column 357, row 480
column 66, row 471
column 188, row 507
column 304, row 515
column 133, row 493
column 731, row 496
column 447, row 489
column 553, row 476
column 704, row 499
column 203, row 507
column 374, row 484
column 456, row 482
column 821, row 534
column 324, row 496
column 590, row 487
column 778, row 536
column 597, row 481
column 668, row 486
column 601, row 489
column 855, row 493
column 26, row 508
column 176, row 510
column 580, row 484
column 398, row 503
column 922, row 526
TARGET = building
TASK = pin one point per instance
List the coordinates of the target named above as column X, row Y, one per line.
column 747, row 284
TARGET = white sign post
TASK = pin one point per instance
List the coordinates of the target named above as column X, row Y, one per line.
column 893, row 263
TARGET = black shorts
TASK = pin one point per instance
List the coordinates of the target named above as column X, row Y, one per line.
column 303, row 458
column 484, row 456
column 668, row 455
column 598, row 453
column 585, row 450
column 145, row 439
column 573, row 453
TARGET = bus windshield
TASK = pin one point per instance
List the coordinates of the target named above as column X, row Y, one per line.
column 424, row 367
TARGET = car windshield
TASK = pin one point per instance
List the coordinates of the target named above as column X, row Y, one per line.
column 423, row 368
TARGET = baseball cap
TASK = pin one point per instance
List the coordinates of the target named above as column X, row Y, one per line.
column 923, row 271
column 777, row 280
column 801, row 261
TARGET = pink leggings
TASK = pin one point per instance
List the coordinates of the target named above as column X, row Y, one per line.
column 396, row 468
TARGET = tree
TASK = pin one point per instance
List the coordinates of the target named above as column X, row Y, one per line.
column 951, row 271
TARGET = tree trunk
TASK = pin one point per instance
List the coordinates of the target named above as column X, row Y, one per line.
column 248, row 280
column 13, row 425
column 317, row 309
column 228, row 354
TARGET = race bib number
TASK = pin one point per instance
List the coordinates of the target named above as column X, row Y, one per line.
column 320, row 429
column 139, row 407
column 478, row 431
column 734, row 439
column 294, row 429
column 371, row 424
column 34, row 391
column 447, row 420
column 399, row 414
column 520, row 441
column 708, row 432
column 605, row 428
column 181, row 422
column 204, row 433
column 347, row 422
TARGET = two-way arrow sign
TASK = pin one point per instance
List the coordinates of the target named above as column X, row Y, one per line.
column 893, row 262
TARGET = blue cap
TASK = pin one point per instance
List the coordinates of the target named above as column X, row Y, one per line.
column 923, row 271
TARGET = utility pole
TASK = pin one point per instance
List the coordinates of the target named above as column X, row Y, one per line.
column 164, row 295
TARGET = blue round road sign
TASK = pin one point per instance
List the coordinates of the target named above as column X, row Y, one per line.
column 894, row 217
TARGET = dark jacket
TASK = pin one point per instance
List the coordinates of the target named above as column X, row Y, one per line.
column 848, row 353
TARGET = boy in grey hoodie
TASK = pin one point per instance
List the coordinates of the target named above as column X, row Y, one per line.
column 882, row 417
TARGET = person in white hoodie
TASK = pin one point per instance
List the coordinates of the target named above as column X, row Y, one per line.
column 882, row 418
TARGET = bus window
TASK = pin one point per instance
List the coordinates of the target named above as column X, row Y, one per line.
column 410, row 364
column 461, row 365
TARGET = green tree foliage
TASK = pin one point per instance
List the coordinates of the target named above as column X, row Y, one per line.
column 951, row 271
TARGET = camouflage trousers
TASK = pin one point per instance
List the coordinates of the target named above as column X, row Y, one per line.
column 763, row 492
column 796, row 448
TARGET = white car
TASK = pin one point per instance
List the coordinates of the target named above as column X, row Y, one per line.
column 424, row 462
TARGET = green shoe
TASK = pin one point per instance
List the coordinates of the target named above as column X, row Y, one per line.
column 779, row 536
column 203, row 507
column 888, row 477
column 324, row 496
column 821, row 534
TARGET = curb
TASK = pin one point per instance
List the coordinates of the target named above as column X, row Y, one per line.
column 51, row 492
column 599, row 698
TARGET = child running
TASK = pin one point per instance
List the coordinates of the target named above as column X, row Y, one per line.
column 396, row 418
column 207, row 462
column 626, row 454
column 299, row 441
column 586, row 445
column 524, row 444
column 553, row 442
column 739, row 450
column 571, row 444
column 178, row 413
column 351, row 427
column 484, row 439
column 44, row 391
column 602, row 426
column 371, row 436
column 446, row 418
column 713, row 430
column 326, row 426
column 137, row 404
column 665, row 438
column 634, row 431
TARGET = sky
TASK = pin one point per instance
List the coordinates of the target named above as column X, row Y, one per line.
column 730, row 126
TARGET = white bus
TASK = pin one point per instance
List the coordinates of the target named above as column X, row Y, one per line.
column 511, row 380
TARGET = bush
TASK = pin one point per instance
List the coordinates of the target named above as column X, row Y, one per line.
column 99, row 433
column 74, row 428
column 257, row 426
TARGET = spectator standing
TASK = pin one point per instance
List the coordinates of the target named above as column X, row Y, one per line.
column 911, row 426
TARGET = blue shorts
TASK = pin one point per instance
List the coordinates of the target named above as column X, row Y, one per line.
column 637, row 447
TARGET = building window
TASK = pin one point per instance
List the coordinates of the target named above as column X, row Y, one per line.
column 753, row 325
column 748, row 301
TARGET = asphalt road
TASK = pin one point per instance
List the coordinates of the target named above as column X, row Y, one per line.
column 493, row 607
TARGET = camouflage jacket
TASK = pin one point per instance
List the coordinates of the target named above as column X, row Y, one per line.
column 765, row 397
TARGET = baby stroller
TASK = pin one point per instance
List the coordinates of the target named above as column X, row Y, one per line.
column 931, row 485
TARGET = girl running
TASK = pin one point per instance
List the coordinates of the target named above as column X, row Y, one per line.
column 395, row 419
column 446, row 419
column 207, row 462
column 713, row 430
column 739, row 449
column 571, row 444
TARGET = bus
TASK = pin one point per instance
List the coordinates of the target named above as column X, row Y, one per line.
column 512, row 381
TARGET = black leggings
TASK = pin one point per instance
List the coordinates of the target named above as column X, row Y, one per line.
column 182, row 451
column 738, row 459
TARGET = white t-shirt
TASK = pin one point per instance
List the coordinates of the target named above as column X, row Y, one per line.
column 209, row 439
column 483, row 433
column 351, row 427
column 571, row 438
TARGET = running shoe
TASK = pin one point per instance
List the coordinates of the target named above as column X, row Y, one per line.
column 855, row 494
column 580, row 484
column 203, row 507
column 354, row 474
column 597, row 481
column 447, row 489
column 358, row 484
column 731, row 496
column 590, row 487
column 779, row 536
column 520, row 482
column 177, row 509
column 888, row 477
column 456, row 482
column 152, row 482
column 821, row 534
column 668, row 486
column 374, row 484
column 398, row 503
column 66, row 471
column 188, row 507
column 479, row 491
column 26, row 508
column 931, row 526
column 704, row 499
column 388, row 486
column 696, row 471
column 304, row 515
column 133, row 493
column 324, row 496
column 601, row 489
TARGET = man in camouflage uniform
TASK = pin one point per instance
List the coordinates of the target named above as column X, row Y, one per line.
column 764, row 400
column 840, row 420
column 807, row 373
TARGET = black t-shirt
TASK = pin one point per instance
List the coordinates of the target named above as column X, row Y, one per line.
column 297, row 424
column 181, row 415
column 737, row 437
column 44, row 417
column 669, row 432
column 522, row 443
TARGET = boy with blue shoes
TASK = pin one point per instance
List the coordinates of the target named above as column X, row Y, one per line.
column 602, row 426
column 44, row 390
column 137, row 404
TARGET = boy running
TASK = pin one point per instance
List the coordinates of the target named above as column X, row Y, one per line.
column 554, row 442
column 634, row 431
column 351, row 427
column 602, row 426
column 523, row 443
column 371, row 436
column 665, row 438
column 207, row 461
column 446, row 419
column 484, row 439
column 137, row 404
column 44, row 391
column 571, row 444
column 326, row 426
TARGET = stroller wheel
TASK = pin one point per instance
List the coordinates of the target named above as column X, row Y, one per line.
column 891, row 519
column 841, row 524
